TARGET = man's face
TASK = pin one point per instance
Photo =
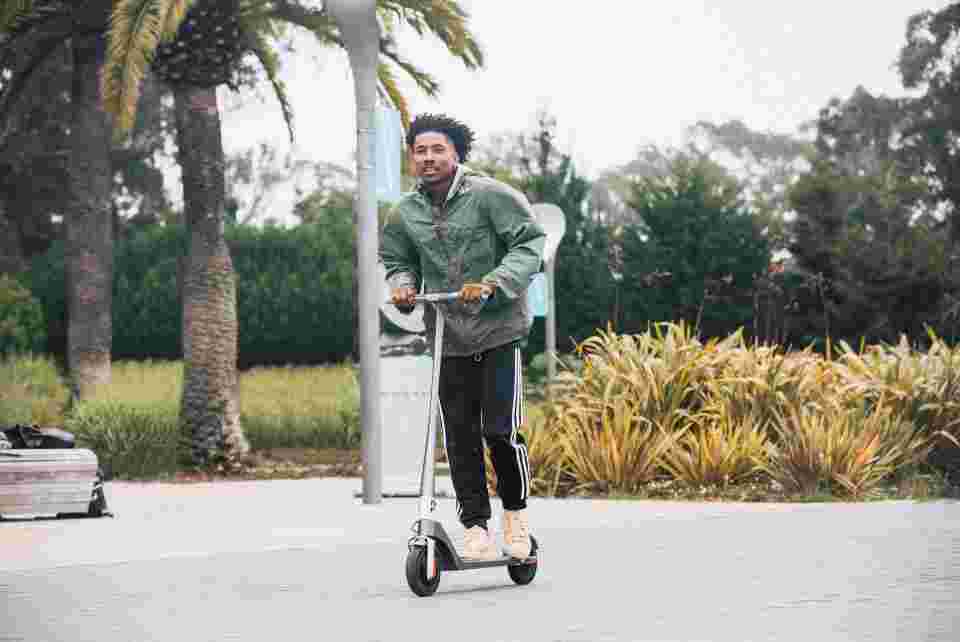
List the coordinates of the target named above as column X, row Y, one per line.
column 434, row 157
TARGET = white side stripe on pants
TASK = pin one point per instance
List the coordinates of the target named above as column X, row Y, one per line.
column 517, row 420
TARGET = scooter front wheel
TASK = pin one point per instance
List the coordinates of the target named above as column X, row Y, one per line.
column 417, row 573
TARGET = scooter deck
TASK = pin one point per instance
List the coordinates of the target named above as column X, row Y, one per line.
column 504, row 560
column 450, row 559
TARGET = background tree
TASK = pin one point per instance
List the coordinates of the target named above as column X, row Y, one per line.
column 695, row 229
column 32, row 47
column 88, row 221
column 254, row 177
column 139, row 161
column 34, row 153
column 34, row 32
column 868, row 246
column 33, row 156
column 929, row 63
column 766, row 164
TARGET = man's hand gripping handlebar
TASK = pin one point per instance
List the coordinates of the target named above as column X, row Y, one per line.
column 406, row 298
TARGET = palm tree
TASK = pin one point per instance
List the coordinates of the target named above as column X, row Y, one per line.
column 34, row 33
column 195, row 46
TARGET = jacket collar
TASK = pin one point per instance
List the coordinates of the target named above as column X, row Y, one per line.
column 459, row 185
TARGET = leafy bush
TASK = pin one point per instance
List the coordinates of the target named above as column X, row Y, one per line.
column 129, row 440
column 665, row 404
column 845, row 450
column 22, row 326
column 923, row 388
column 612, row 448
column 719, row 448
column 31, row 391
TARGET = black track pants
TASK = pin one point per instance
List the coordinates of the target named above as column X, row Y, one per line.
column 481, row 398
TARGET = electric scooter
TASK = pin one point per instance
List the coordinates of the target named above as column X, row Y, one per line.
column 431, row 551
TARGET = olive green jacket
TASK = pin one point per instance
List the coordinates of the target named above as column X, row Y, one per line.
column 484, row 232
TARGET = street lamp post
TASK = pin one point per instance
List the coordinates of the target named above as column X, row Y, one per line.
column 360, row 30
column 554, row 223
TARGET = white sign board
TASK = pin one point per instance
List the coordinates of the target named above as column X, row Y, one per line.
column 554, row 223
column 412, row 322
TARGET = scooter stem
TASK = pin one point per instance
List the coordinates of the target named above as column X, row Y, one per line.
column 428, row 503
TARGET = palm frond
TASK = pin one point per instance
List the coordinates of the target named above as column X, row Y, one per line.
column 11, row 11
column 176, row 11
column 388, row 90
column 260, row 17
column 424, row 81
column 136, row 28
column 270, row 61
column 443, row 19
column 316, row 21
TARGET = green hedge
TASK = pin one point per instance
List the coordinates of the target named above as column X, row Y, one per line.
column 293, row 293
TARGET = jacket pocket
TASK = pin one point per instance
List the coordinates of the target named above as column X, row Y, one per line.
column 475, row 244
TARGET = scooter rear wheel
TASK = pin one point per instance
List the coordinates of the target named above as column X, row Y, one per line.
column 522, row 573
column 417, row 573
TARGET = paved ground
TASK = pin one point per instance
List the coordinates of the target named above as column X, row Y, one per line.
column 305, row 560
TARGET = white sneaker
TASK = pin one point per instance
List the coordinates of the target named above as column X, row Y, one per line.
column 516, row 533
column 479, row 546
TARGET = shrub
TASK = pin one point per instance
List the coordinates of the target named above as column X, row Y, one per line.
column 719, row 412
column 22, row 325
column 921, row 387
column 31, row 391
column 611, row 448
column 750, row 384
column 849, row 450
column 719, row 448
column 129, row 440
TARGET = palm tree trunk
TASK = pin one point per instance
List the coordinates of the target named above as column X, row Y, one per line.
column 210, row 408
column 89, row 226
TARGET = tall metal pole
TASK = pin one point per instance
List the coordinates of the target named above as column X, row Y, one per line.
column 360, row 30
column 554, row 223
column 551, row 324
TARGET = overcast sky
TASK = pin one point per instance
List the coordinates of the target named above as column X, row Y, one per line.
column 616, row 73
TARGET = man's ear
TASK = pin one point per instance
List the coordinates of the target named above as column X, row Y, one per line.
column 410, row 167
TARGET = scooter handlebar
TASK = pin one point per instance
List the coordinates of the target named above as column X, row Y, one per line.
column 440, row 297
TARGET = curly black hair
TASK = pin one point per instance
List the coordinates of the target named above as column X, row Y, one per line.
column 459, row 134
